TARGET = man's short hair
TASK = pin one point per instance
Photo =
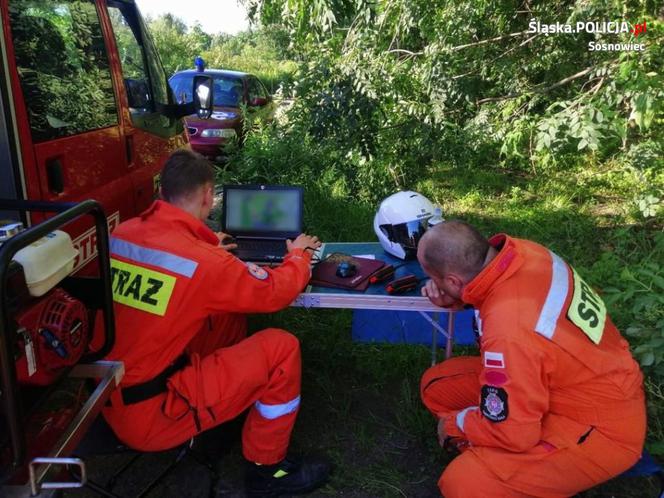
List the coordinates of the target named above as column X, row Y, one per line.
column 184, row 172
column 455, row 246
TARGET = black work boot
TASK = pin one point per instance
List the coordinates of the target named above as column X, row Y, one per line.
column 289, row 477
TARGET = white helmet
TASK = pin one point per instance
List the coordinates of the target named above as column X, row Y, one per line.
column 401, row 221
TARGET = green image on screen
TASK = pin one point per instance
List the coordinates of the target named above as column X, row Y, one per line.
column 262, row 210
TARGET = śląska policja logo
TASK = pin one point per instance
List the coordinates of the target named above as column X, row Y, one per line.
column 597, row 28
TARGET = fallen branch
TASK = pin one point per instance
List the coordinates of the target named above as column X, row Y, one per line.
column 461, row 47
column 404, row 51
column 537, row 90
column 489, row 40
column 598, row 86
column 498, row 57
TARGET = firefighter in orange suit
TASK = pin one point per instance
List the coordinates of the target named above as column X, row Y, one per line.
column 554, row 404
column 180, row 299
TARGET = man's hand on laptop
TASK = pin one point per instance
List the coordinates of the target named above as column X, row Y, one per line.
column 303, row 241
column 226, row 241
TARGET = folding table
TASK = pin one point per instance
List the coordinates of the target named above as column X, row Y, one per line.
column 375, row 297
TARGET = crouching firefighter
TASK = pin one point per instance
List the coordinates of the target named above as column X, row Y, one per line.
column 554, row 404
column 180, row 299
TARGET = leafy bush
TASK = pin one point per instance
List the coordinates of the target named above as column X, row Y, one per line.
column 636, row 297
column 260, row 52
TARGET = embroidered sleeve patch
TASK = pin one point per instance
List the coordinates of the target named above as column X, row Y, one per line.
column 257, row 272
column 495, row 377
column 494, row 403
column 493, row 359
column 587, row 310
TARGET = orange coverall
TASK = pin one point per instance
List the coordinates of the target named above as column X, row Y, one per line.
column 175, row 289
column 554, row 404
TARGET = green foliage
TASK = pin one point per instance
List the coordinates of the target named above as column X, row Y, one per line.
column 262, row 52
column 655, row 390
column 635, row 295
column 386, row 79
column 305, row 18
column 177, row 44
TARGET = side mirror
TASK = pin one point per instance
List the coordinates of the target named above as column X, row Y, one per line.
column 203, row 96
column 258, row 101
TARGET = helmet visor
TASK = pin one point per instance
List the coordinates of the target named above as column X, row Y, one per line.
column 407, row 234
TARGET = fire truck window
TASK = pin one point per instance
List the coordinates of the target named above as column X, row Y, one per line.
column 134, row 72
column 159, row 79
column 63, row 67
column 143, row 75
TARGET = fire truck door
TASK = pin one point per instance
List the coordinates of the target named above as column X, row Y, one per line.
column 66, row 109
column 150, row 135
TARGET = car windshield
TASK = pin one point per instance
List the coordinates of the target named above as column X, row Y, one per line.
column 227, row 91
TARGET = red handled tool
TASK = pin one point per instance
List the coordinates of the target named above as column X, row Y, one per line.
column 384, row 273
column 402, row 285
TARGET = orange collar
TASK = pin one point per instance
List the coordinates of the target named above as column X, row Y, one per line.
column 170, row 215
column 504, row 264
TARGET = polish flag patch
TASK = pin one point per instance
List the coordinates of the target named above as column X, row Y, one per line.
column 494, row 360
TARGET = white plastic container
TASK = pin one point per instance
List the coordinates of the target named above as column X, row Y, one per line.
column 47, row 261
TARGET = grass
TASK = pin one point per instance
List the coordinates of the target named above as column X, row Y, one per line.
column 361, row 407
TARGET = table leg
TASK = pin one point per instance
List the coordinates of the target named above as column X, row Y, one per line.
column 447, row 333
column 450, row 334
column 434, row 340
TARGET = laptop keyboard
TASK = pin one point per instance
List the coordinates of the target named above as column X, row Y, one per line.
column 260, row 250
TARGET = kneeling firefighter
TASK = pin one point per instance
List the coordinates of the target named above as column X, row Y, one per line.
column 180, row 299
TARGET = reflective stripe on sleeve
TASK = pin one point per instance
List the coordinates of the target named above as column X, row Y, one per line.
column 274, row 411
column 162, row 259
column 478, row 321
column 546, row 324
column 461, row 417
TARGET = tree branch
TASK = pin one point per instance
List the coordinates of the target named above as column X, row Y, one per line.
column 538, row 90
column 598, row 86
column 404, row 51
column 461, row 47
column 498, row 57
column 489, row 40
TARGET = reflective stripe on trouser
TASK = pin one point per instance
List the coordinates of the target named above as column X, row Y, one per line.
column 268, row 427
column 264, row 367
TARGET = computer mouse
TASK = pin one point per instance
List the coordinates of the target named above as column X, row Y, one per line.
column 346, row 269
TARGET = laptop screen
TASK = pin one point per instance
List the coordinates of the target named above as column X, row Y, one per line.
column 262, row 210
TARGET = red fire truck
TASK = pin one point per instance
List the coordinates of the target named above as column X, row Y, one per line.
column 85, row 113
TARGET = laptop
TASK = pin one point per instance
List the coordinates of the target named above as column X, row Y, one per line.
column 261, row 218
